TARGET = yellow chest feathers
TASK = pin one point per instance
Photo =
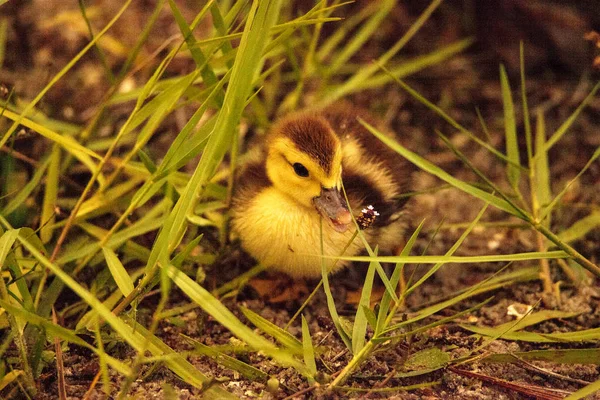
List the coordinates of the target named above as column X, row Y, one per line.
column 286, row 236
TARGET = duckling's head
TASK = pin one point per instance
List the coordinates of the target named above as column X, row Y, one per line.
column 304, row 161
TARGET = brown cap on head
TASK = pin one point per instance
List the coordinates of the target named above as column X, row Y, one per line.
column 313, row 136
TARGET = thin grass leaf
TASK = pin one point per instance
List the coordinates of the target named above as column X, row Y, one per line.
column 7, row 239
column 118, row 325
column 424, row 328
column 105, row 201
column 359, row 38
column 103, row 363
column 176, row 363
column 221, row 27
column 282, row 336
column 47, row 217
column 365, row 73
column 439, row 111
column 63, row 333
column 219, row 312
column 359, row 329
column 370, row 316
column 332, row 41
column 184, row 254
column 247, row 371
column 559, row 196
column 16, row 324
column 12, row 375
column 308, row 350
column 386, row 300
column 83, row 154
column 4, row 22
column 523, row 275
column 208, row 75
column 147, row 161
column 155, row 110
column 89, row 320
column 160, row 107
column 131, row 337
column 344, row 334
column 558, row 134
column 118, row 271
column 20, row 118
column 31, row 185
column 542, row 190
column 526, row 117
column 585, row 392
column 140, row 227
column 580, row 228
column 535, row 318
column 261, row 18
column 19, row 279
column 440, row 173
column 449, row 253
column 484, row 126
column 510, row 131
column 449, row 259
column 97, row 48
column 414, row 65
column 587, row 335
column 560, row 356
column 189, row 144
column 377, row 265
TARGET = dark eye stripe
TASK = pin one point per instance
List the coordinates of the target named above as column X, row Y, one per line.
column 300, row 170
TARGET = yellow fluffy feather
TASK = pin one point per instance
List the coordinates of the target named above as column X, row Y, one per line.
column 282, row 200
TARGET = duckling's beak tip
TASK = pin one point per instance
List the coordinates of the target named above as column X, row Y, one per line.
column 332, row 206
column 342, row 221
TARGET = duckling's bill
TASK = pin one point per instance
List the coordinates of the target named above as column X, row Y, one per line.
column 334, row 209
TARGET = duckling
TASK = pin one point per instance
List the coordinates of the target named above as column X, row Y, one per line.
column 282, row 200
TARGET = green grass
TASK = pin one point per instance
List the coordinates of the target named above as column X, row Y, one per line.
column 258, row 59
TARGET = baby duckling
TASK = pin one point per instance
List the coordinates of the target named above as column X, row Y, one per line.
column 280, row 201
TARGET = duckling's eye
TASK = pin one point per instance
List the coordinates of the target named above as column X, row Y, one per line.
column 300, row 170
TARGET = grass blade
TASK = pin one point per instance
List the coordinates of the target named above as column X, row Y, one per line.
column 61, row 73
column 556, row 136
column 62, row 333
column 282, row 336
column 580, row 228
column 562, row 356
column 510, row 131
column 118, row 271
column 542, row 191
column 246, row 370
column 50, row 194
column 219, row 312
column 440, row 173
column 359, row 329
column 31, row 185
column 384, row 306
column 309, row 350
column 365, row 73
column 585, row 392
column 344, row 335
column 367, row 29
column 449, row 259
column 261, row 18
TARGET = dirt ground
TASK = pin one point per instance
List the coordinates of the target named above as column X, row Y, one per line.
column 560, row 74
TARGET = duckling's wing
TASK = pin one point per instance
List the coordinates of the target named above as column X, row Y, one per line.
column 374, row 174
column 251, row 181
